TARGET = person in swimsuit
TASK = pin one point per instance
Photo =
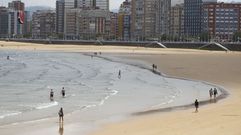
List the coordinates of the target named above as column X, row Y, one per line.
column 61, row 115
column 119, row 74
column 215, row 93
column 51, row 94
column 211, row 93
column 196, row 105
column 63, row 92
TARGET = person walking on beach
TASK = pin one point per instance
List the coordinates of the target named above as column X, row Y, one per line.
column 215, row 92
column 154, row 67
column 51, row 94
column 63, row 92
column 196, row 105
column 61, row 115
column 119, row 74
column 211, row 93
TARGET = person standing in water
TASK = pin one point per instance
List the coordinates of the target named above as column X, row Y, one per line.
column 63, row 92
column 61, row 115
column 211, row 93
column 196, row 105
column 215, row 92
column 51, row 94
column 119, row 74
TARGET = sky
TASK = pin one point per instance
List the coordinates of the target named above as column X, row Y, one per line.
column 114, row 4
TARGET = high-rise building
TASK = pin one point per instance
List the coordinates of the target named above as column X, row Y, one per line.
column 43, row 24
column 102, row 4
column 150, row 19
column 88, row 24
column 193, row 16
column 221, row 20
column 114, row 26
column 16, row 5
column 87, row 4
column 124, row 21
column 9, row 23
column 143, row 19
column 84, row 3
column 4, row 22
column 177, row 21
column 16, row 28
column 68, row 4
column 75, row 8
column 60, row 17
column 163, row 17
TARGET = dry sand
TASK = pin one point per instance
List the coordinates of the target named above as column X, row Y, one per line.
column 222, row 118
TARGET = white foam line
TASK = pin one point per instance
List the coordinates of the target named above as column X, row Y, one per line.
column 47, row 105
column 9, row 114
column 114, row 92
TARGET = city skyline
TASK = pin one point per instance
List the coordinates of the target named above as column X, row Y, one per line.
column 114, row 4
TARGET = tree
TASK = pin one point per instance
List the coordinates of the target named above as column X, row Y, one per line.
column 204, row 36
column 237, row 36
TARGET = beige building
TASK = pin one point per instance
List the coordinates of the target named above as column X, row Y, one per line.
column 177, row 21
column 43, row 24
column 87, row 24
column 143, row 19
column 124, row 21
column 163, row 17
column 150, row 19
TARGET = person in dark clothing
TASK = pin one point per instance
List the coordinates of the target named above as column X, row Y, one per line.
column 196, row 105
column 61, row 115
column 63, row 92
column 211, row 93
column 215, row 93
column 119, row 74
column 51, row 94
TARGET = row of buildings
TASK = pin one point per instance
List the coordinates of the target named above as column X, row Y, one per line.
column 9, row 20
column 136, row 20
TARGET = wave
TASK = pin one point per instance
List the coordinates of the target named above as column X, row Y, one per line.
column 88, row 106
column 46, row 105
column 113, row 93
column 9, row 114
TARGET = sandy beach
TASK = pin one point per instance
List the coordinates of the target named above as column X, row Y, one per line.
column 221, row 68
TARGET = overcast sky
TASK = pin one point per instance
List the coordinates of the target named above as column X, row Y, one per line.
column 114, row 4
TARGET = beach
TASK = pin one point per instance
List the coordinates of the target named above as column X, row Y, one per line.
column 223, row 118
column 221, row 68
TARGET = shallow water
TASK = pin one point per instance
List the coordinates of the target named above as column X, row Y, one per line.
column 92, row 87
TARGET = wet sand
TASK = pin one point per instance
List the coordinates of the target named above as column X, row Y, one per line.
column 223, row 117
column 221, row 68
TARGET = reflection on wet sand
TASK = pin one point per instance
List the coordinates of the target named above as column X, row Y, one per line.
column 61, row 128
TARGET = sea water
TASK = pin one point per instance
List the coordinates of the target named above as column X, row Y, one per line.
column 92, row 87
